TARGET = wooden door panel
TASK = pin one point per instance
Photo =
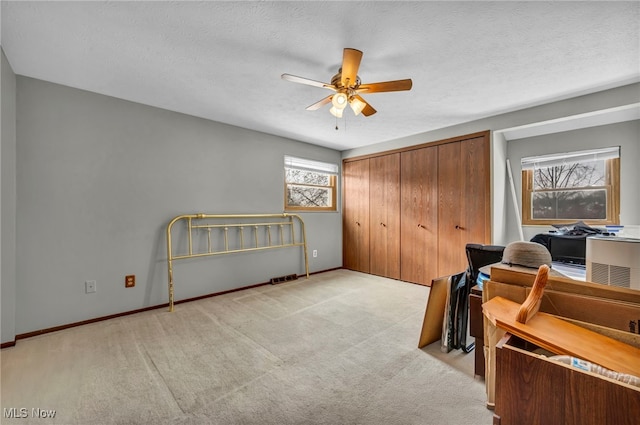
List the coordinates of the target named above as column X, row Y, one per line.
column 392, row 194
column 451, row 259
column 377, row 244
column 419, row 215
column 356, row 216
column 476, row 187
column 384, row 212
column 464, row 211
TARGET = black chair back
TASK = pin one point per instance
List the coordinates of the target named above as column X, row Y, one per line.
column 480, row 255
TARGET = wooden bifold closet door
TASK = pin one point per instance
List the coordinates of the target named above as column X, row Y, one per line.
column 464, row 201
column 384, row 214
column 419, row 218
column 355, row 222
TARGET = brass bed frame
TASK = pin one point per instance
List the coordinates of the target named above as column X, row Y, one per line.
column 224, row 222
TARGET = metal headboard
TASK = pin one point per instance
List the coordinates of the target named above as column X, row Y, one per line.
column 223, row 223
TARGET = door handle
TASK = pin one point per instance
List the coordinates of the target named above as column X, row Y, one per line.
column 383, row 225
column 458, row 227
column 422, row 225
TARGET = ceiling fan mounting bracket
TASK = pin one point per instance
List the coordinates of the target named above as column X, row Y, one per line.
column 336, row 81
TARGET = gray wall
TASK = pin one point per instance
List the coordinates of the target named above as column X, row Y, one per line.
column 625, row 134
column 8, row 200
column 99, row 178
column 504, row 223
column 611, row 98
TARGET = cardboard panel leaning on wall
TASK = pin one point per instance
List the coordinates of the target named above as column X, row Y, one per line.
column 99, row 179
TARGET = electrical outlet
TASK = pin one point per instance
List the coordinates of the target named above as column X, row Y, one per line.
column 90, row 286
column 130, row 281
column 315, row 253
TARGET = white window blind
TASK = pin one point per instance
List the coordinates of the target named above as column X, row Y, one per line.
column 310, row 165
column 532, row 162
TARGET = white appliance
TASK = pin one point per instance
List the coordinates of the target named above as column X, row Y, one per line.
column 613, row 260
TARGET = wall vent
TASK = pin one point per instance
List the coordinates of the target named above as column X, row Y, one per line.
column 286, row 278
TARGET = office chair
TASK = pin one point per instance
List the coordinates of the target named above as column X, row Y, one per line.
column 480, row 255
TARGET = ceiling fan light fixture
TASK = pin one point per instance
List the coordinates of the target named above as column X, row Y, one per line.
column 357, row 105
column 346, row 86
column 336, row 112
column 339, row 101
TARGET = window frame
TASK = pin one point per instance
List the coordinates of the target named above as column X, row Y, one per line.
column 333, row 183
column 612, row 187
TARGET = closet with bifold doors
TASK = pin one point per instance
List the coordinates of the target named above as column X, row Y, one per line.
column 408, row 214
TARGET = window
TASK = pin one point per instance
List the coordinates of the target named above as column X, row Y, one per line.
column 564, row 188
column 309, row 185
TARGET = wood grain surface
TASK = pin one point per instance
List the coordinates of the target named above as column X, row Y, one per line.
column 561, row 337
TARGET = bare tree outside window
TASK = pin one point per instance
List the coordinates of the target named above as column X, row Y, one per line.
column 570, row 191
column 561, row 188
column 308, row 189
column 309, row 185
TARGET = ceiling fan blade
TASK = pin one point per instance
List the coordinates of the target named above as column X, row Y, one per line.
column 350, row 63
column 385, row 86
column 319, row 104
column 368, row 109
column 302, row 80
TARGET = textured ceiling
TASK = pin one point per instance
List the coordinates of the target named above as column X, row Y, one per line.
column 223, row 60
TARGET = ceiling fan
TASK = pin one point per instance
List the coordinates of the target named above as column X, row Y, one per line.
column 347, row 87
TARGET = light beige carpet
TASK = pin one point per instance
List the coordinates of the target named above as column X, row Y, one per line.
column 338, row 348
